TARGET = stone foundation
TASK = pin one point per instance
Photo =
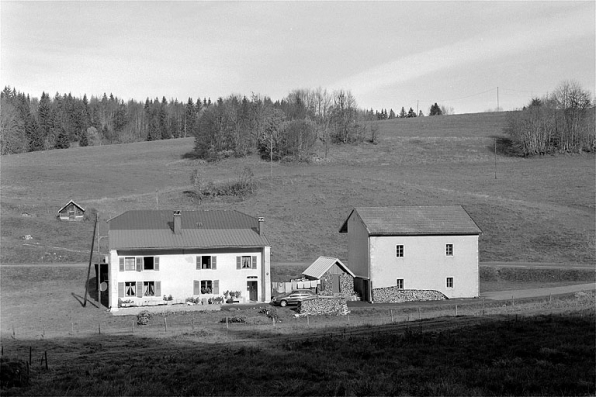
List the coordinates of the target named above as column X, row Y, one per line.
column 396, row 295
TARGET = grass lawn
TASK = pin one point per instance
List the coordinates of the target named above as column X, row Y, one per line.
column 538, row 209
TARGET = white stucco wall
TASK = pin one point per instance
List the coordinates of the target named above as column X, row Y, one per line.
column 357, row 247
column 425, row 264
column 177, row 273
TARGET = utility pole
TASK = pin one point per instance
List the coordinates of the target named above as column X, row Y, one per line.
column 495, row 158
column 498, row 110
column 157, row 198
column 417, row 107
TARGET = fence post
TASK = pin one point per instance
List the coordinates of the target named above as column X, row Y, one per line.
column 46, row 354
column 99, row 328
column 419, row 314
column 72, row 328
column 165, row 322
column 391, row 315
column 133, row 326
column 30, row 351
column 307, row 320
column 512, row 301
column 483, row 306
column 455, row 310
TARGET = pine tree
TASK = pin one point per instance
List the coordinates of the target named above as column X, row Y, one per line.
column 62, row 141
column 84, row 140
column 411, row 113
column 391, row 114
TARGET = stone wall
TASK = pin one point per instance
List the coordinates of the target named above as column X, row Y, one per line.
column 320, row 306
column 396, row 295
column 346, row 284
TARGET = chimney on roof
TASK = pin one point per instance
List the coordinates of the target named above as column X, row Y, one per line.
column 177, row 222
column 260, row 228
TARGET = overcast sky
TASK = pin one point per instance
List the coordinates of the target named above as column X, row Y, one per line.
column 389, row 54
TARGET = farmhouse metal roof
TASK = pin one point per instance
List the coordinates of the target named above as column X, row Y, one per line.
column 69, row 203
column 153, row 229
column 322, row 264
column 414, row 221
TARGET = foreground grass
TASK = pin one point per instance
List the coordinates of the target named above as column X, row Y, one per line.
column 539, row 355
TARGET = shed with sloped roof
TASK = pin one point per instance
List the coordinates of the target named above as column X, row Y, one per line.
column 335, row 277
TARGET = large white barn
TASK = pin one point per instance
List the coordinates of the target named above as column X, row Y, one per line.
column 424, row 248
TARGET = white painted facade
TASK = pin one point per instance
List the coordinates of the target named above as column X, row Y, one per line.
column 425, row 264
column 178, row 273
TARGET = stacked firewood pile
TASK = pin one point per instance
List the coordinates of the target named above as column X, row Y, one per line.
column 320, row 305
column 396, row 295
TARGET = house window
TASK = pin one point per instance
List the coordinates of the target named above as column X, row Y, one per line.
column 130, row 287
column 399, row 251
column 206, row 286
column 148, row 263
column 206, row 262
column 449, row 249
column 129, row 263
column 246, row 262
column 449, row 282
column 400, row 283
column 149, row 288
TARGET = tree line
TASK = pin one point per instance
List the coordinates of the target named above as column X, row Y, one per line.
column 562, row 121
column 232, row 126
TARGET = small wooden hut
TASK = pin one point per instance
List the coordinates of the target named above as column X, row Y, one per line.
column 335, row 277
column 71, row 212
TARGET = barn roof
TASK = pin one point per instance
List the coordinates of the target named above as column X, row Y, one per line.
column 69, row 203
column 322, row 264
column 414, row 221
column 153, row 229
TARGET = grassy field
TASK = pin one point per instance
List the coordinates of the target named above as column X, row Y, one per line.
column 538, row 209
column 377, row 349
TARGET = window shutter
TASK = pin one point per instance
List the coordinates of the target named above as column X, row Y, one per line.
column 139, row 289
column 254, row 262
column 238, row 262
column 139, row 264
column 214, row 262
column 196, row 287
column 121, row 264
column 156, row 263
column 216, row 287
column 198, row 263
column 121, row 289
column 158, row 288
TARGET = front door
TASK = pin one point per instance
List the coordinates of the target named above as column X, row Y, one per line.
column 253, row 292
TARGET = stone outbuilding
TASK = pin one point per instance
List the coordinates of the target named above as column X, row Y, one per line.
column 71, row 212
column 335, row 277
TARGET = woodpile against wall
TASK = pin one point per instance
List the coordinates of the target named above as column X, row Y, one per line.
column 396, row 295
column 320, row 306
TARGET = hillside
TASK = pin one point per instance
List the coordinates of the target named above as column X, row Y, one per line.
column 538, row 209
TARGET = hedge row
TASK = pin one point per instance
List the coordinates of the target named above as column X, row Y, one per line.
column 488, row 273
column 396, row 295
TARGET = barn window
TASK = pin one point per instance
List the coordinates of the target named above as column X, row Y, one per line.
column 130, row 288
column 399, row 251
column 400, row 283
column 129, row 263
column 206, row 286
column 449, row 282
column 149, row 288
column 449, row 249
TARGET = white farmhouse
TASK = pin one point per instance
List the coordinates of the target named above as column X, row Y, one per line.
column 421, row 248
column 186, row 254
